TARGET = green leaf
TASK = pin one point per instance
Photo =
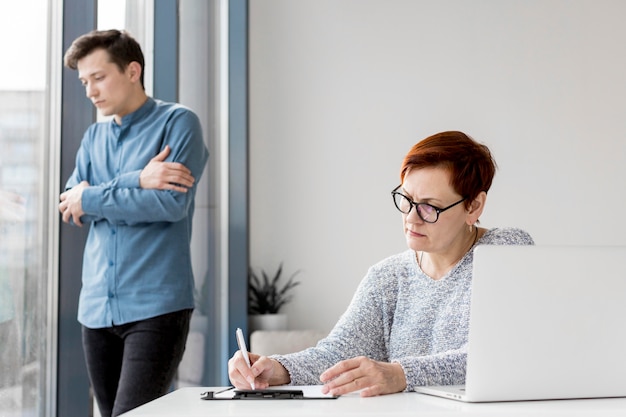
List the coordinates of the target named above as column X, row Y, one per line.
column 266, row 295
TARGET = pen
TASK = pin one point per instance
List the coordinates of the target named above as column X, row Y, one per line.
column 244, row 350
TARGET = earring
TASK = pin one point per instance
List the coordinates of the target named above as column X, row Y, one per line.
column 471, row 228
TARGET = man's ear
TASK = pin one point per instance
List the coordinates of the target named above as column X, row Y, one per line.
column 134, row 71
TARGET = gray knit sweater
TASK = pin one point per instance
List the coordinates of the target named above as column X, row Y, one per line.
column 399, row 314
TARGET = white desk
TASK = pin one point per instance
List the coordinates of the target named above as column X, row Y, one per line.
column 186, row 402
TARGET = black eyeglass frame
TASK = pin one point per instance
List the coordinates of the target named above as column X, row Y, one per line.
column 412, row 203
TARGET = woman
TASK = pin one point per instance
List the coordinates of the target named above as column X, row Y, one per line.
column 407, row 324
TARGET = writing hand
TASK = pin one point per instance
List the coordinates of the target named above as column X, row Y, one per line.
column 71, row 205
column 162, row 175
column 361, row 373
column 263, row 372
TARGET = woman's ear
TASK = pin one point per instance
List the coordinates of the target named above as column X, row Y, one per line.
column 476, row 208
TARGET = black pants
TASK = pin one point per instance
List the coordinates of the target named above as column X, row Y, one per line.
column 132, row 364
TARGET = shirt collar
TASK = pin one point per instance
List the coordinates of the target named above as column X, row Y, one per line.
column 137, row 114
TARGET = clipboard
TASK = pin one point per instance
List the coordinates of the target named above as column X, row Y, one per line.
column 283, row 392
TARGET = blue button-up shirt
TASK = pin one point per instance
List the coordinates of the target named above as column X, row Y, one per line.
column 137, row 261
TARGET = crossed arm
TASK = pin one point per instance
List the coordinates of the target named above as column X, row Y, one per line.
column 157, row 174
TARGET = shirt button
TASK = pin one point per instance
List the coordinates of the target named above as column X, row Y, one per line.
column 111, row 295
column 110, row 263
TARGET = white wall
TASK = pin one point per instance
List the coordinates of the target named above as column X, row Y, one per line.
column 341, row 89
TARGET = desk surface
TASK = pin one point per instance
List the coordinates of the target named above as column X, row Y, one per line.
column 186, row 402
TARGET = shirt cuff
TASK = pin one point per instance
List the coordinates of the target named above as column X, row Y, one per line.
column 91, row 201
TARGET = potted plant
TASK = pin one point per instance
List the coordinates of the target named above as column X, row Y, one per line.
column 266, row 296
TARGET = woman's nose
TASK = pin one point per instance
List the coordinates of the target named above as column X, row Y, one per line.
column 413, row 217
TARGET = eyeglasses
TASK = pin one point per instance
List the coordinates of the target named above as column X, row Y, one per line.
column 425, row 211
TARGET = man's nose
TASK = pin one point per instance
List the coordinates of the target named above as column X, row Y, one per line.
column 90, row 90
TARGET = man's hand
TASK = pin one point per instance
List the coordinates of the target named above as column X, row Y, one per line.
column 71, row 205
column 361, row 373
column 160, row 175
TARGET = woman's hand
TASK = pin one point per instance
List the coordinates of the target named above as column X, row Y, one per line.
column 361, row 373
column 263, row 372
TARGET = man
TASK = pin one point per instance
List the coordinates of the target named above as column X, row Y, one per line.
column 135, row 180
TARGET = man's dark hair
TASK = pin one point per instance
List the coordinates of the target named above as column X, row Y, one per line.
column 120, row 45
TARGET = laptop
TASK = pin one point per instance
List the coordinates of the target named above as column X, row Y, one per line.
column 546, row 322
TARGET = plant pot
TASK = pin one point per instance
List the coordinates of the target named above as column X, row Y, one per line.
column 267, row 322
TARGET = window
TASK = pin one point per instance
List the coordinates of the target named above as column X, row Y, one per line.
column 136, row 17
column 30, row 177
column 24, row 282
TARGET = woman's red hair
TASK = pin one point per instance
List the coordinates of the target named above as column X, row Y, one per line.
column 470, row 163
